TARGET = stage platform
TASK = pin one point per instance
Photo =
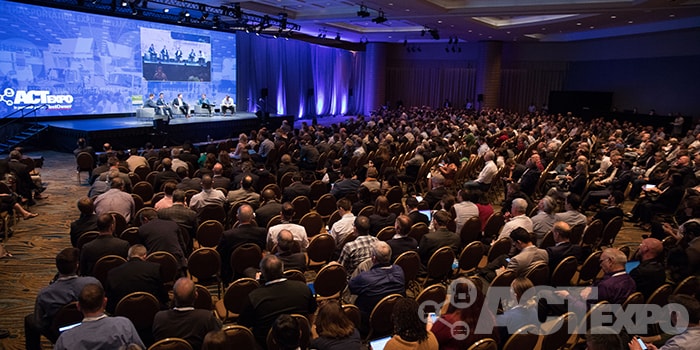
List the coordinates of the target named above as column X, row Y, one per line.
column 123, row 132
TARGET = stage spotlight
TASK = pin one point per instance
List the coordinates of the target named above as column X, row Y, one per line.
column 363, row 12
column 434, row 33
column 337, row 36
column 447, row 49
column 124, row 3
column 453, row 49
column 217, row 22
column 237, row 11
column 166, row 10
column 187, row 13
column 380, row 18
column 422, row 32
column 450, row 42
column 204, row 16
column 405, row 42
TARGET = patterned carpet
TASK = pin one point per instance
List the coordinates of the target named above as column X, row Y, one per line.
column 37, row 241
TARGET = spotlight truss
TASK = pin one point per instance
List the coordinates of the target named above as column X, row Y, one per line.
column 199, row 15
column 380, row 18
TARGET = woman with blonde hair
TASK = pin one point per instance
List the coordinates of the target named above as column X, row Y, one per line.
column 333, row 330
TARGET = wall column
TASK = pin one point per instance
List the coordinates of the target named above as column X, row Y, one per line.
column 375, row 79
column 488, row 73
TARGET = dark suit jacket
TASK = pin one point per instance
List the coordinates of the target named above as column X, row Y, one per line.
column 294, row 190
column 231, row 239
column 434, row 196
column 101, row 246
column 83, row 224
column 189, row 158
column 24, row 184
column 343, row 187
column 183, row 216
column 191, row 325
column 163, row 235
column 528, row 181
column 221, row 181
column 648, row 276
column 378, row 222
column 559, row 252
column 293, row 261
column 134, row 276
column 402, row 245
column 435, row 240
column 190, row 184
column 163, row 177
column 267, row 212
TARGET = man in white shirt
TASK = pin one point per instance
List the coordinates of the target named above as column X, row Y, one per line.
column 207, row 196
column 464, row 210
column 518, row 218
column 298, row 231
column 228, row 104
column 487, row 173
column 345, row 226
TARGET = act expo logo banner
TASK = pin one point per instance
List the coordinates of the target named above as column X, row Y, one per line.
column 20, row 98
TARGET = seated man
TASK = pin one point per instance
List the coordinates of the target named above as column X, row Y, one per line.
column 228, row 104
column 52, row 297
column 181, row 105
column 277, row 296
column 98, row 331
column 136, row 275
column 381, row 280
column 204, row 103
column 651, row 272
column 184, row 321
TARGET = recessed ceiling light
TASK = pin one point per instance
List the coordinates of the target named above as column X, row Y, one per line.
column 613, row 16
column 630, row 22
column 439, row 21
column 508, row 32
column 407, row 10
column 469, row 30
column 543, row 28
column 389, row 36
column 578, row 23
column 452, row 25
column 391, row 4
column 490, row 37
column 591, row 27
column 672, row 15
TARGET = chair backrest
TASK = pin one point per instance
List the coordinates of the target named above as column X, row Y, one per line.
column 286, row 180
column 86, row 237
column 312, row 222
column 504, row 279
column 590, row 268
column 239, row 337
column 435, row 293
column 660, row 295
column 209, row 233
column 302, row 206
column 484, row 344
column 688, row 286
column 386, row 233
column 171, row 344
column 84, row 161
column 418, row 230
column 236, row 295
column 101, row 268
column 321, row 248
column 525, row 337
column 204, row 264
column 203, row 299
column 548, row 240
column 335, row 216
column 538, row 274
column 410, row 264
column 295, row 275
column 245, row 256
column 380, row 318
column 396, row 208
column 493, row 225
column 471, row 256
column 275, row 220
column 634, row 298
column 576, row 233
column 144, row 189
column 353, row 313
column 471, row 231
column 440, row 263
column 212, row 212
column 304, row 338
column 138, row 204
column 140, row 308
column 558, row 338
column 564, row 272
column 141, row 213
column 331, row 280
column 317, row 189
column 169, row 266
column 366, row 211
column 326, row 205
column 592, row 233
column 610, row 232
column 394, row 194
column 67, row 315
column 498, row 248
column 131, row 235
column 120, row 223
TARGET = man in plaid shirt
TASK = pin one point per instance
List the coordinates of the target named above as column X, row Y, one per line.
column 360, row 249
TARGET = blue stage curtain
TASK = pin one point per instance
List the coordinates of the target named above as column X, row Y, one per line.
column 302, row 79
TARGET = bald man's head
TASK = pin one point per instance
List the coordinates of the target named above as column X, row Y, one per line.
column 184, row 292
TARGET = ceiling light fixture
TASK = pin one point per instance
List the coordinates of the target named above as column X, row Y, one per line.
column 363, row 11
column 380, row 18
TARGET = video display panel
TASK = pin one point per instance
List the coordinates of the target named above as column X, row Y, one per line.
column 82, row 64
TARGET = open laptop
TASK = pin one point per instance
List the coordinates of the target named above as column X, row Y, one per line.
column 379, row 344
column 428, row 213
column 631, row 265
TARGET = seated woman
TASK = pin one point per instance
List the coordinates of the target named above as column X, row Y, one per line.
column 381, row 217
column 449, row 168
column 460, row 309
column 333, row 330
column 521, row 312
column 9, row 203
column 409, row 330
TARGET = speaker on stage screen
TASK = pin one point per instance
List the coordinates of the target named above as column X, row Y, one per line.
column 97, row 65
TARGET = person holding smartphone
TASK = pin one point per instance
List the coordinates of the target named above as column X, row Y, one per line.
column 688, row 338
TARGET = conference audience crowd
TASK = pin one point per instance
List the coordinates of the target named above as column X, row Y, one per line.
column 387, row 210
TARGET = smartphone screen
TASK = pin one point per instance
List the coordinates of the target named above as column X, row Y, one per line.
column 432, row 316
column 641, row 344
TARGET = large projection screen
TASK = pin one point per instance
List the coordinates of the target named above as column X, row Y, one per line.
column 84, row 64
